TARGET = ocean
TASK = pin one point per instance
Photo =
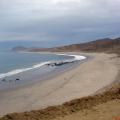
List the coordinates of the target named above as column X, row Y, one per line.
column 20, row 68
column 11, row 61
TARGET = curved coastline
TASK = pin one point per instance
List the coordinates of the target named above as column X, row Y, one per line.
column 70, row 85
column 17, row 71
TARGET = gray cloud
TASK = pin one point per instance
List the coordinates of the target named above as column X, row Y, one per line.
column 70, row 20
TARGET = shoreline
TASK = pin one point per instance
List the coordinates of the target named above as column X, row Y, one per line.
column 76, row 60
column 17, row 71
column 53, row 74
column 70, row 85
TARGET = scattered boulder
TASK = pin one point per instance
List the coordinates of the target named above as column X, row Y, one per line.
column 3, row 80
column 17, row 79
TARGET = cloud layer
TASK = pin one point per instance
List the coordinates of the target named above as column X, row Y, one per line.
column 49, row 20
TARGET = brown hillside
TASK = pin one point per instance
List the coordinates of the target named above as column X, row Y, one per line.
column 102, row 45
column 98, row 45
column 106, row 45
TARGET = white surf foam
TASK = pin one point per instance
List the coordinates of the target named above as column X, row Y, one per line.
column 75, row 57
column 14, row 72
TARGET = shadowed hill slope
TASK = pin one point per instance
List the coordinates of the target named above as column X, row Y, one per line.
column 94, row 46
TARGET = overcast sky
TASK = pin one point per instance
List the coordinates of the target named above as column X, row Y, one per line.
column 59, row 20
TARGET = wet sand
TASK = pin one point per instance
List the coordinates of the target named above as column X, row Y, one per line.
column 84, row 80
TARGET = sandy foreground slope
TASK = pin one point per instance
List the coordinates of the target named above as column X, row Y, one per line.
column 84, row 80
column 106, row 111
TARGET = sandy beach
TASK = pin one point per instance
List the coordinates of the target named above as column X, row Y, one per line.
column 84, row 80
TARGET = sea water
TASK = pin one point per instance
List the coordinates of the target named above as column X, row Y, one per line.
column 20, row 68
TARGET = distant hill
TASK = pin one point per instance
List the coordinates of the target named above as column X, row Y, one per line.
column 101, row 45
column 19, row 48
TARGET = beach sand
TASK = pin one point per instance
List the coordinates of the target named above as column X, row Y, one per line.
column 84, row 80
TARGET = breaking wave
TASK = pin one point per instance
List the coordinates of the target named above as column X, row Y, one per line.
column 14, row 72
